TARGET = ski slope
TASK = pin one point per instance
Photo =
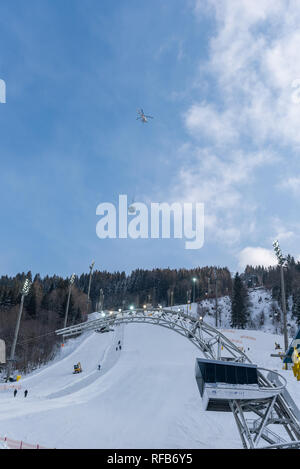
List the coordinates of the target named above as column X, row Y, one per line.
column 144, row 396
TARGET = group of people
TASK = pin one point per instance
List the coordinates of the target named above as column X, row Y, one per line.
column 25, row 393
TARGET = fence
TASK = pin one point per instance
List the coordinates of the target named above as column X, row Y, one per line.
column 13, row 444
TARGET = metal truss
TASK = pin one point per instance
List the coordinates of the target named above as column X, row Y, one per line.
column 276, row 410
column 255, row 433
column 211, row 342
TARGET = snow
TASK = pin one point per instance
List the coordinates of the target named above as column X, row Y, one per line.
column 144, row 396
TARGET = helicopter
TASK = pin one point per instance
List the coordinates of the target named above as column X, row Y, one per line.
column 131, row 208
column 142, row 117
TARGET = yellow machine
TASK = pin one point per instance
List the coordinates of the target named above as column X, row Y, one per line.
column 77, row 368
column 296, row 365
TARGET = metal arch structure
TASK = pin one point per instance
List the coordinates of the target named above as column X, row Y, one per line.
column 278, row 410
column 206, row 338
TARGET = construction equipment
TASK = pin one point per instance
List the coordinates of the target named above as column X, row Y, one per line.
column 77, row 368
column 296, row 365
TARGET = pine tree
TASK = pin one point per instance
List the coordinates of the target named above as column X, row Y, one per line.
column 31, row 304
column 296, row 306
column 239, row 310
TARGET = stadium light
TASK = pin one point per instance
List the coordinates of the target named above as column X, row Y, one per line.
column 89, row 288
column 194, row 279
column 24, row 292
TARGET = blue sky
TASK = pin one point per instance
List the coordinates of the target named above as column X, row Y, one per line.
column 219, row 81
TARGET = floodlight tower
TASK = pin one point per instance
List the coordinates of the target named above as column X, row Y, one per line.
column 194, row 285
column 89, row 289
column 281, row 261
column 172, row 298
column 24, row 292
column 101, row 300
column 72, row 279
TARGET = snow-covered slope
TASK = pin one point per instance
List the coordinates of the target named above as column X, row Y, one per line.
column 144, row 396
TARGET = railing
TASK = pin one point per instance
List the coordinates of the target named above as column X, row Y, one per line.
column 268, row 385
column 254, row 427
column 14, row 444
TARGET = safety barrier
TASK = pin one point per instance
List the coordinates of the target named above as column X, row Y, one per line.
column 13, row 444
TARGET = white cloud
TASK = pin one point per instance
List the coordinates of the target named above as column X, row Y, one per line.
column 291, row 184
column 220, row 184
column 256, row 256
column 249, row 74
column 221, row 126
column 254, row 61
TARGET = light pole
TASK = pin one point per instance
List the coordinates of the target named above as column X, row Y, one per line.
column 89, row 289
column 172, row 298
column 188, row 300
column 281, row 261
column 72, row 279
column 101, row 300
column 194, row 285
column 24, row 292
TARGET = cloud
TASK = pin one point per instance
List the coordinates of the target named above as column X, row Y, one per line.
column 254, row 63
column 292, row 184
column 220, row 184
column 256, row 256
column 221, row 127
column 246, row 118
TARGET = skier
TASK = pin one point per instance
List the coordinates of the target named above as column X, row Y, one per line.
column 25, row 393
column 99, row 367
column 15, row 392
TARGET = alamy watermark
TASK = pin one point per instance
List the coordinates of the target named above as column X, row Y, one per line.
column 2, row 91
column 160, row 220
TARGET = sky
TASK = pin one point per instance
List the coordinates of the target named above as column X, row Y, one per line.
column 222, row 81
